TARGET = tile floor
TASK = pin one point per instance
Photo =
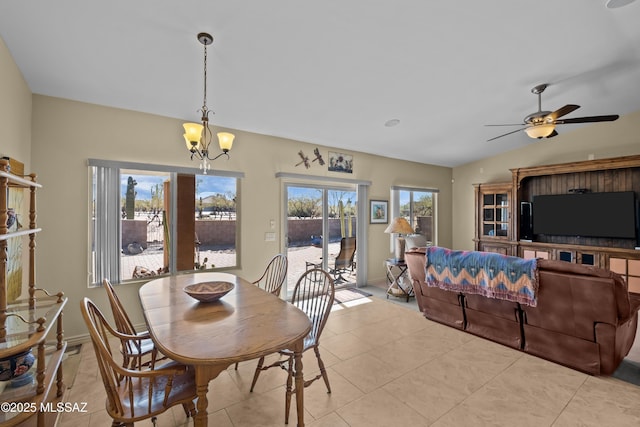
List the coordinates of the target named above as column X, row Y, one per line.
column 389, row 366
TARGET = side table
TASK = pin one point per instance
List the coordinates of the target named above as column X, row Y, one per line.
column 398, row 279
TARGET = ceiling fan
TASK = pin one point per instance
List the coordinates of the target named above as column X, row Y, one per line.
column 542, row 124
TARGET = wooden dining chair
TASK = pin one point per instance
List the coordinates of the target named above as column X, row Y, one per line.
column 313, row 294
column 132, row 394
column 273, row 277
column 133, row 351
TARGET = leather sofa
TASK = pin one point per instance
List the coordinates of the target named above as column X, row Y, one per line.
column 585, row 318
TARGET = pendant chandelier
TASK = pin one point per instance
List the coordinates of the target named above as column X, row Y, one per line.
column 198, row 136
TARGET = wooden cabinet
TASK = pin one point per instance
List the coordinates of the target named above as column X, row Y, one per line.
column 493, row 217
column 500, row 224
column 26, row 324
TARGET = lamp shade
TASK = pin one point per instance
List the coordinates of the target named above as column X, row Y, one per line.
column 192, row 134
column 540, row 131
column 399, row 225
column 225, row 139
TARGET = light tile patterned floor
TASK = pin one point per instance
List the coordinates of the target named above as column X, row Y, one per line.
column 389, row 366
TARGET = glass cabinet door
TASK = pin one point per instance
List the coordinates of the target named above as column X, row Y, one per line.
column 495, row 214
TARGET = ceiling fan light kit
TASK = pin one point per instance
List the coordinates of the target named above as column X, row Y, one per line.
column 542, row 124
column 540, row 131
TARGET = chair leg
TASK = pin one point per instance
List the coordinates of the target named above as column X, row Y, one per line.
column 323, row 371
column 257, row 373
column 289, row 392
column 189, row 409
column 236, row 366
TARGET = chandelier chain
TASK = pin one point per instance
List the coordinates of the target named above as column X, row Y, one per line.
column 204, row 105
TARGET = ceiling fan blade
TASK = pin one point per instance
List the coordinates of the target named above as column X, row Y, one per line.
column 591, row 119
column 561, row 112
column 552, row 134
column 505, row 134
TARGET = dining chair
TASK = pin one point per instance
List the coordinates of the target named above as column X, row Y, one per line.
column 133, row 351
column 132, row 394
column 273, row 277
column 313, row 294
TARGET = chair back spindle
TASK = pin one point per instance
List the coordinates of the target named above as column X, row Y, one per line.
column 274, row 275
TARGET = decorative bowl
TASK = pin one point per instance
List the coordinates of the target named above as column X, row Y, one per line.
column 209, row 291
column 16, row 365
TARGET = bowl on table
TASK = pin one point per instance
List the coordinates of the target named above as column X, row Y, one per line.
column 209, row 291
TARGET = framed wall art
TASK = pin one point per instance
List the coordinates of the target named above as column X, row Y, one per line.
column 379, row 212
column 340, row 162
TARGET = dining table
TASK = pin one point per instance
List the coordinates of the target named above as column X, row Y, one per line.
column 244, row 324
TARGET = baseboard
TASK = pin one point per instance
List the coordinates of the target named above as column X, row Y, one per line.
column 78, row 340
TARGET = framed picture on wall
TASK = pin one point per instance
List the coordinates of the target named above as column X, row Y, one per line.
column 379, row 212
column 340, row 162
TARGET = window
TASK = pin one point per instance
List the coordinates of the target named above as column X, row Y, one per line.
column 149, row 220
column 418, row 207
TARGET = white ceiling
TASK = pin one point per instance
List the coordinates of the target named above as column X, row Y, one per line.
column 333, row 72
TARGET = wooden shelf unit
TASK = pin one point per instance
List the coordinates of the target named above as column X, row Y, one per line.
column 603, row 175
column 26, row 324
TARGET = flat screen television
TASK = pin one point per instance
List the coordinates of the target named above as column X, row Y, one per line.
column 611, row 215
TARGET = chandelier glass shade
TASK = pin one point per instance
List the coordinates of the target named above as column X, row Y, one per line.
column 198, row 136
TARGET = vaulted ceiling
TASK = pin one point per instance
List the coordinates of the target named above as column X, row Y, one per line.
column 334, row 72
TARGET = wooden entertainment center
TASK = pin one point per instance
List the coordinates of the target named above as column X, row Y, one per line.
column 500, row 208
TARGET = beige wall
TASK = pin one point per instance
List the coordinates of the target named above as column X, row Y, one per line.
column 66, row 133
column 15, row 122
column 602, row 140
column 15, row 110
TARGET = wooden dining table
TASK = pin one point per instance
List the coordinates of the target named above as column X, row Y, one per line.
column 245, row 324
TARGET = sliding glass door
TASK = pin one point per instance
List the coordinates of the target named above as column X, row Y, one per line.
column 321, row 224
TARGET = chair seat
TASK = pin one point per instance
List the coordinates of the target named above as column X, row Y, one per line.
column 146, row 346
column 146, row 403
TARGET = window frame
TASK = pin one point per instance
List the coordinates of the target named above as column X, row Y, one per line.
column 395, row 207
column 94, row 277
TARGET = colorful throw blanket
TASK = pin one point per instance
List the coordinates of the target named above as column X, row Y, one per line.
column 484, row 273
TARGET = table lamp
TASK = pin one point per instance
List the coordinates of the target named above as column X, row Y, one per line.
column 399, row 226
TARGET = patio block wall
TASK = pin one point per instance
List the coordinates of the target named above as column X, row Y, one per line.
column 133, row 231
column 216, row 233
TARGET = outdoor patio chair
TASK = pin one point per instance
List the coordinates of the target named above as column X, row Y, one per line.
column 134, row 395
column 314, row 294
column 344, row 261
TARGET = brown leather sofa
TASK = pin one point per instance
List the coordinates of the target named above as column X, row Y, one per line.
column 585, row 317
